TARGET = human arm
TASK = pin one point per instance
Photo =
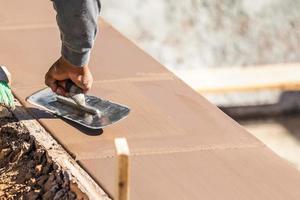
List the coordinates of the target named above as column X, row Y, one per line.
column 77, row 21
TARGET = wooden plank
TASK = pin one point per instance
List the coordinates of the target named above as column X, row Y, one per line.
column 123, row 168
column 288, row 86
column 240, row 79
column 85, row 183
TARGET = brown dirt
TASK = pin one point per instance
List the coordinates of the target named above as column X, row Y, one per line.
column 26, row 171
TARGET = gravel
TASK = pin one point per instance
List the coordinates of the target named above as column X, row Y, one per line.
column 26, row 170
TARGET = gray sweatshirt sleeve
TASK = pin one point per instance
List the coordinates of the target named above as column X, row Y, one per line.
column 77, row 21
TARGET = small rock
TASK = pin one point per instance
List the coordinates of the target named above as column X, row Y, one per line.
column 71, row 195
column 41, row 180
column 21, row 178
column 50, row 182
column 38, row 156
column 60, row 194
column 32, row 195
column 59, row 179
column 28, row 175
column 31, row 164
column 66, row 179
column 5, row 112
column 48, row 195
column 5, row 152
column 38, row 169
column 31, row 181
column 15, row 155
column 46, row 169
column 54, row 188
column 37, row 191
column 55, row 166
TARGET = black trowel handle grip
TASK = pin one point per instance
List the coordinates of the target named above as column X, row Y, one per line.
column 71, row 87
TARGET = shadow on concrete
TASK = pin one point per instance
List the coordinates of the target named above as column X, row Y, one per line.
column 37, row 114
column 34, row 113
column 83, row 129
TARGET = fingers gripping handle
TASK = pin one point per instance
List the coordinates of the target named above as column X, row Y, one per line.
column 72, row 88
column 75, row 92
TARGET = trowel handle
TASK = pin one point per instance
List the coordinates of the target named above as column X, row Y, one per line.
column 72, row 88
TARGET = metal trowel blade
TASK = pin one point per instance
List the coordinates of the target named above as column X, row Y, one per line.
column 110, row 112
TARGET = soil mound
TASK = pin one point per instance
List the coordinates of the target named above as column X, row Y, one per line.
column 26, row 171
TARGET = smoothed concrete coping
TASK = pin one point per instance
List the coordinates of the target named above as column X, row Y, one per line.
column 182, row 146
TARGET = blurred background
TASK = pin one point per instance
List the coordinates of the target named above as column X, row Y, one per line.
column 242, row 55
column 196, row 34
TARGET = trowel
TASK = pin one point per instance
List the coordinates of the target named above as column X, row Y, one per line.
column 89, row 111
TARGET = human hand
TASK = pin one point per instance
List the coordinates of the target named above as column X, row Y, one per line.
column 62, row 70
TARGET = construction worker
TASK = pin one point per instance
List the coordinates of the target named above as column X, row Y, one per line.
column 77, row 22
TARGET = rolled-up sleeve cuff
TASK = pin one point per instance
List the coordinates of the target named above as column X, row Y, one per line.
column 78, row 59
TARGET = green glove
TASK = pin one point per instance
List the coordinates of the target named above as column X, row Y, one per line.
column 6, row 96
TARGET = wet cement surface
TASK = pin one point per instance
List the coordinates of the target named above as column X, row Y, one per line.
column 182, row 146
